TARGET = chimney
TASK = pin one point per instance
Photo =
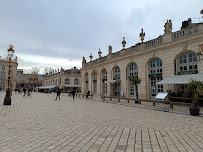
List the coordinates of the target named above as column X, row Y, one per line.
column 189, row 21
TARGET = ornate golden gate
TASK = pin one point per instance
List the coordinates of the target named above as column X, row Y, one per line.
column 32, row 78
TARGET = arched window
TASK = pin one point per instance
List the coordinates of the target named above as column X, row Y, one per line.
column 117, row 73
column 3, row 67
column 76, row 82
column 2, row 75
column 187, row 63
column 67, row 81
column 104, row 78
column 155, row 75
column 133, row 72
column 94, row 79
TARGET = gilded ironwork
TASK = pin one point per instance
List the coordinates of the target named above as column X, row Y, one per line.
column 142, row 35
column 124, row 42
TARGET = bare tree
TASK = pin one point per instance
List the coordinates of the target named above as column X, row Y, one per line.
column 47, row 70
column 35, row 70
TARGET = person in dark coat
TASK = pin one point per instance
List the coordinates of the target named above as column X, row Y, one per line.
column 88, row 93
column 73, row 93
column 58, row 93
column 24, row 91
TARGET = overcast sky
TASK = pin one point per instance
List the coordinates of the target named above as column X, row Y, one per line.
column 58, row 33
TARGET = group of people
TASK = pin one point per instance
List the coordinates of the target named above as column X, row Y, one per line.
column 20, row 90
column 27, row 92
column 58, row 93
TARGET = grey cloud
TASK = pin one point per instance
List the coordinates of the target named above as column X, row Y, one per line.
column 72, row 29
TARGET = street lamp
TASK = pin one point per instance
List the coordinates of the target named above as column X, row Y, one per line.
column 7, row 99
column 200, row 52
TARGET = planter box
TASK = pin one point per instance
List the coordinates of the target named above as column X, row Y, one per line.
column 194, row 112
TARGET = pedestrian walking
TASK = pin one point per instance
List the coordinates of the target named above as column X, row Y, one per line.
column 88, row 93
column 29, row 92
column 73, row 93
column 24, row 91
column 58, row 93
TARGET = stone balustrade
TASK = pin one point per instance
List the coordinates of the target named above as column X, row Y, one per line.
column 186, row 32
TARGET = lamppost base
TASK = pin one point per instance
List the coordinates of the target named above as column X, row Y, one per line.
column 7, row 101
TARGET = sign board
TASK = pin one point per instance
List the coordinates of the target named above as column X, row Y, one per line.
column 122, row 94
column 161, row 95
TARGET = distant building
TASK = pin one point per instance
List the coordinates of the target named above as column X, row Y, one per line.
column 4, row 73
column 173, row 53
column 28, row 80
column 65, row 79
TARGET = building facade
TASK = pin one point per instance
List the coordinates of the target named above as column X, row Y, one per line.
column 173, row 53
column 65, row 79
column 4, row 66
column 28, row 80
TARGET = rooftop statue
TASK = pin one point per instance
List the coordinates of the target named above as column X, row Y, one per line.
column 168, row 27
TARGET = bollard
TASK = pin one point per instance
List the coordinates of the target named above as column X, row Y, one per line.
column 171, row 105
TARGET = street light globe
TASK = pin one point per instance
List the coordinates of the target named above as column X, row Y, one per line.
column 10, row 51
column 10, row 54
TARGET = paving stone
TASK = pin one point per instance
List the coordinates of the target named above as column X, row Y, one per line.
column 40, row 123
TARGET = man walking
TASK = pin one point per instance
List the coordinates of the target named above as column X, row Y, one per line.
column 24, row 91
column 58, row 93
column 73, row 93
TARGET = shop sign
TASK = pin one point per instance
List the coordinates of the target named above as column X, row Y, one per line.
column 155, row 75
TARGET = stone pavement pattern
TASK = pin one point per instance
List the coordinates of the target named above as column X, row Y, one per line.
column 41, row 123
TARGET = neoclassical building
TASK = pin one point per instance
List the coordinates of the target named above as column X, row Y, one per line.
column 65, row 79
column 28, row 80
column 173, row 53
column 4, row 66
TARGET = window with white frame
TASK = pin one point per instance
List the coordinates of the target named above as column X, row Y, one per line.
column 76, row 81
column 3, row 67
column 67, row 81
column 117, row 73
column 104, row 78
column 2, row 75
column 155, row 75
column 2, row 85
column 94, row 78
column 187, row 62
column 133, row 72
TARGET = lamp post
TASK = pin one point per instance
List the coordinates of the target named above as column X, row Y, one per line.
column 7, row 99
column 200, row 52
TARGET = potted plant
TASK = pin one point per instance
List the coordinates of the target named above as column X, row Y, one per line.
column 196, row 88
column 135, row 80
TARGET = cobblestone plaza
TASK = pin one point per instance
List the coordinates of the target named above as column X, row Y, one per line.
column 40, row 123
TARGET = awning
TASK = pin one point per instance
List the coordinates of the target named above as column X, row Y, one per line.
column 47, row 87
column 72, row 86
column 181, row 79
column 112, row 81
